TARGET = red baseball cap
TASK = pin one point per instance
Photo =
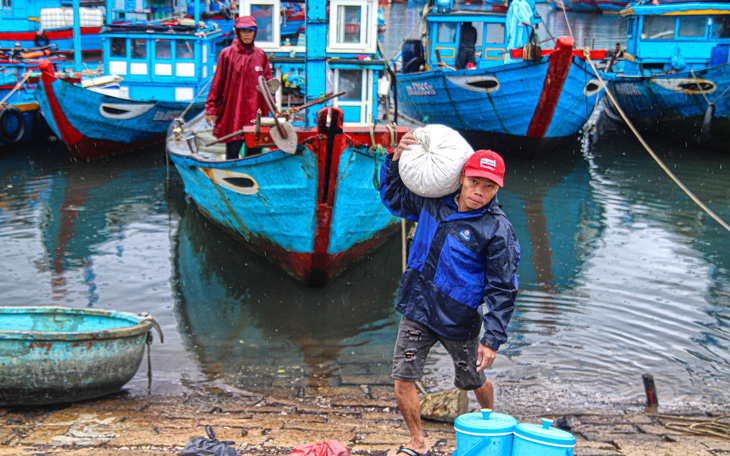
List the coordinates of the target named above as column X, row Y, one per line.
column 485, row 163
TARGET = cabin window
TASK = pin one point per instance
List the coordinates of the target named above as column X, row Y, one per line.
column 658, row 28
column 692, row 26
column 446, row 32
column 352, row 23
column 495, row 33
column 7, row 4
column 264, row 15
column 163, row 49
column 348, row 21
column 351, row 82
column 184, row 49
column 119, row 47
column 721, row 27
column 139, row 48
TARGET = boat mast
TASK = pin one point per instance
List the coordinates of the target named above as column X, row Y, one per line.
column 316, row 54
column 77, row 35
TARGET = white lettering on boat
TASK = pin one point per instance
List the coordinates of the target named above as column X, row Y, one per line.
column 420, row 89
column 166, row 116
column 627, row 89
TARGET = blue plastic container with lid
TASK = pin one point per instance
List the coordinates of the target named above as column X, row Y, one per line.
column 537, row 440
column 484, row 433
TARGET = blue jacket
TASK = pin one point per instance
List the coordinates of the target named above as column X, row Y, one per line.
column 457, row 260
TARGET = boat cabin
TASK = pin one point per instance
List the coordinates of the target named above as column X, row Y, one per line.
column 676, row 37
column 350, row 53
column 461, row 28
column 159, row 60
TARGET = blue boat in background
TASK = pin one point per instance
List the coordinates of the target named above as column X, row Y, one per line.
column 20, row 119
column 39, row 23
column 309, row 203
column 153, row 71
column 514, row 89
column 675, row 75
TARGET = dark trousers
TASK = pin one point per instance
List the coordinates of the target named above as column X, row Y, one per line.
column 233, row 150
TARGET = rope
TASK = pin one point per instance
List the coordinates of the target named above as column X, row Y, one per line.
column 565, row 15
column 704, row 95
column 16, row 88
column 648, row 149
column 192, row 102
column 403, row 42
column 712, row 427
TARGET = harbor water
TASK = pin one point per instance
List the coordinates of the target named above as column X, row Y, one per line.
column 621, row 273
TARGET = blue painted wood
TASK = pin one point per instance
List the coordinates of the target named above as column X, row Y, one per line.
column 440, row 96
column 280, row 210
column 670, row 77
column 61, row 354
column 501, row 94
column 358, row 211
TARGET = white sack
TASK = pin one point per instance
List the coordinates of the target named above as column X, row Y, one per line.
column 432, row 167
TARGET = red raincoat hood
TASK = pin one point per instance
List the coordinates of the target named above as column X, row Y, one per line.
column 246, row 22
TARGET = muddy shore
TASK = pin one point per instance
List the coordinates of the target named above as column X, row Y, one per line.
column 366, row 421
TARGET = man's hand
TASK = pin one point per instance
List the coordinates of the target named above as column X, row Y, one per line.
column 485, row 357
column 210, row 118
column 405, row 141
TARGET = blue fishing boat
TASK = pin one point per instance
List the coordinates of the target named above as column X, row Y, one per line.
column 20, row 119
column 310, row 202
column 675, row 75
column 511, row 88
column 61, row 354
column 39, row 23
column 159, row 70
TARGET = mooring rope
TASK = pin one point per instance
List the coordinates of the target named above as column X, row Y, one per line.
column 711, row 427
column 192, row 102
column 16, row 88
column 661, row 164
column 704, row 95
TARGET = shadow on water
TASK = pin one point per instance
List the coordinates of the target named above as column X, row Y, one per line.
column 252, row 326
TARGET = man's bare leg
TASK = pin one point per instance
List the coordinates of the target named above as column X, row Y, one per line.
column 407, row 398
column 484, row 394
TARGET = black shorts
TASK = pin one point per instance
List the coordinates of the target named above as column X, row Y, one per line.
column 415, row 341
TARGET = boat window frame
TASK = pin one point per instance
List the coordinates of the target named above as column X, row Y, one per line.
column 662, row 35
column 712, row 31
column 275, row 5
column 365, row 102
column 681, row 20
column 368, row 25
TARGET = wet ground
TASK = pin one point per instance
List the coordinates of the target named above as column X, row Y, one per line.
column 365, row 420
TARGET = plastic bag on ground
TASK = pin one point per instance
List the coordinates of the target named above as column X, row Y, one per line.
column 328, row 448
column 201, row 446
column 432, row 167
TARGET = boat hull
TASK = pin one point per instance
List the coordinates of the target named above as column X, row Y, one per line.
column 497, row 99
column 675, row 103
column 313, row 212
column 59, row 354
column 96, row 125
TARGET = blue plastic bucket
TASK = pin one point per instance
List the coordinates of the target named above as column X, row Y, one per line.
column 537, row 440
column 484, row 434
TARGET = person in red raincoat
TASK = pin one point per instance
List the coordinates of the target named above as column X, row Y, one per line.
column 233, row 99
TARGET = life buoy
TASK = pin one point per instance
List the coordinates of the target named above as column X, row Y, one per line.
column 41, row 40
column 7, row 135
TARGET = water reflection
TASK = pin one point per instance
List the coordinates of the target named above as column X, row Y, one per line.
column 257, row 329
